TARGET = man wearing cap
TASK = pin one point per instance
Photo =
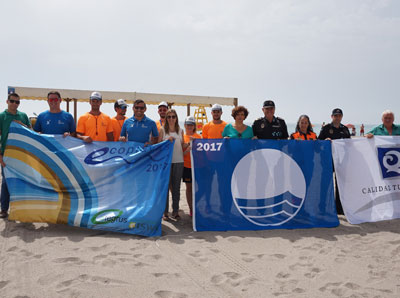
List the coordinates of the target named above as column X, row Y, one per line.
column 162, row 111
column 120, row 107
column 9, row 115
column 214, row 129
column 335, row 129
column 269, row 126
column 55, row 121
column 95, row 125
column 139, row 128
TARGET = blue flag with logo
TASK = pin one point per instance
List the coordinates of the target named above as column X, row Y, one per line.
column 112, row 186
column 262, row 184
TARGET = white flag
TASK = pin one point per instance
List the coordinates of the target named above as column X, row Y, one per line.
column 368, row 174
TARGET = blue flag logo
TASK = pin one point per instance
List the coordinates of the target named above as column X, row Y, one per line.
column 263, row 193
column 389, row 161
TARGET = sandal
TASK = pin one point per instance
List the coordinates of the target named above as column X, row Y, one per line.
column 165, row 217
column 176, row 216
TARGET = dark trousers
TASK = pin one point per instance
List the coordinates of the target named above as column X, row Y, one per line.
column 5, row 195
column 339, row 208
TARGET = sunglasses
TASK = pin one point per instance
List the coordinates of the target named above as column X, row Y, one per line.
column 14, row 101
column 139, row 108
column 171, row 117
column 53, row 99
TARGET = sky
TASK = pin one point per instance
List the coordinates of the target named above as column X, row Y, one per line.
column 308, row 56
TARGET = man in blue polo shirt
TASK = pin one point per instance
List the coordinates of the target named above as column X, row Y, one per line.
column 55, row 121
column 139, row 128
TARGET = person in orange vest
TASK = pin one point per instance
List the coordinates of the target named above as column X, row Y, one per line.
column 162, row 111
column 304, row 130
column 214, row 129
column 95, row 125
column 190, row 134
column 120, row 106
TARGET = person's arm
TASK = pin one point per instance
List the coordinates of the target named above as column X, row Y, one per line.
column 225, row 132
column 80, row 131
column 72, row 127
column 205, row 131
column 322, row 135
column 371, row 133
column 253, row 127
column 184, row 145
column 285, row 134
column 110, row 136
column 38, row 124
column 110, row 130
column 1, row 160
column 1, row 154
column 154, row 134
column 161, row 135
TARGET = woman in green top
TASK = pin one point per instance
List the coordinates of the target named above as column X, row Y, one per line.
column 387, row 128
column 238, row 130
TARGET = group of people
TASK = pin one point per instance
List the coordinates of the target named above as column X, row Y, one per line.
column 97, row 126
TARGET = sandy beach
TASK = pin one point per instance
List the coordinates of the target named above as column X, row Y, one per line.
column 42, row 260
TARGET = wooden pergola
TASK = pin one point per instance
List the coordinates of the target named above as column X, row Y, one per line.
column 75, row 96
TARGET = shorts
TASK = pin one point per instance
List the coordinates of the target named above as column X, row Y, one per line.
column 187, row 175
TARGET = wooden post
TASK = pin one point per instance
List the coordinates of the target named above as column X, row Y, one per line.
column 188, row 109
column 67, row 100
column 235, row 101
column 75, row 110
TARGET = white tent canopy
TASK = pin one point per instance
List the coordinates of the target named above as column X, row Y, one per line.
column 130, row 97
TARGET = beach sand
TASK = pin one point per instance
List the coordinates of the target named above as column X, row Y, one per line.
column 42, row 260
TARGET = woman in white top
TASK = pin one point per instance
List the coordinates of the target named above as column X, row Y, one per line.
column 171, row 131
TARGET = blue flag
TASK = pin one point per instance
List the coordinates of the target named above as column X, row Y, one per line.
column 262, row 184
column 111, row 186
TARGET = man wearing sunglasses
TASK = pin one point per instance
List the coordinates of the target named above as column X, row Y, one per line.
column 6, row 117
column 95, row 125
column 139, row 128
column 55, row 121
column 120, row 106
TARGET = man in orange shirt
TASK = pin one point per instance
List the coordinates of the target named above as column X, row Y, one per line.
column 120, row 107
column 162, row 111
column 214, row 129
column 95, row 125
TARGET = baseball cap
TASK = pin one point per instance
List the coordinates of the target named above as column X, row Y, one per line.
column 96, row 95
column 120, row 103
column 163, row 104
column 337, row 111
column 190, row 120
column 216, row 107
column 269, row 104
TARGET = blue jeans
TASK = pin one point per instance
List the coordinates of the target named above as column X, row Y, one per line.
column 5, row 195
column 175, row 186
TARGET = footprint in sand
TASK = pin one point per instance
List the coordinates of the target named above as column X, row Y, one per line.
column 169, row 275
column 282, row 275
column 313, row 273
column 234, row 239
column 199, row 256
column 89, row 279
column 233, row 279
column 3, row 283
column 250, row 258
column 170, row 294
column 69, row 260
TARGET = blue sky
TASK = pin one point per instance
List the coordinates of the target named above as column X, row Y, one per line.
column 309, row 56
